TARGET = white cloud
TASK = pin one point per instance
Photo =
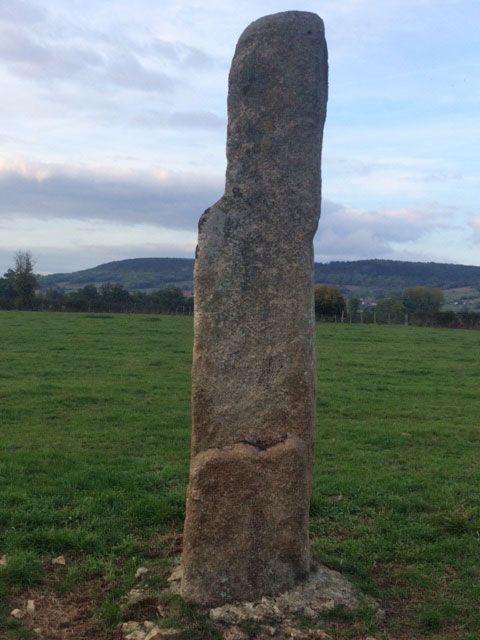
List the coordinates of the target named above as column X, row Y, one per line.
column 144, row 85
column 56, row 51
column 122, row 209
column 46, row 191
column 348, row 233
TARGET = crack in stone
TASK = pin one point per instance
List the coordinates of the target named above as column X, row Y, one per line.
column 262, row 445
column 259, row 445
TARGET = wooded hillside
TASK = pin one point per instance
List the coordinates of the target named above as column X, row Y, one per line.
column 373, row 278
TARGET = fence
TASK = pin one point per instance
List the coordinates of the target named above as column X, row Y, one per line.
column 445, row 319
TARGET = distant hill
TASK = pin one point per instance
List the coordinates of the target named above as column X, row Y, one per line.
column 366, row 278
column 382, row 277
column 136, row 274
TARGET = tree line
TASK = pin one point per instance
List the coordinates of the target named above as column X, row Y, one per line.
column 416, row 305
column 18, row 290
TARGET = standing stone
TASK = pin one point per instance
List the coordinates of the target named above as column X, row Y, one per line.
column 246, row 528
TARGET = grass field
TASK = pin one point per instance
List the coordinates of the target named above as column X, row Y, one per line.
column 95, row 426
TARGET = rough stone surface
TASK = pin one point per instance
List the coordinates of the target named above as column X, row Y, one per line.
column 253, row 389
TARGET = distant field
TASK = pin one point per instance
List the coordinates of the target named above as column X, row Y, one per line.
column 95, row 427
column 462, row 298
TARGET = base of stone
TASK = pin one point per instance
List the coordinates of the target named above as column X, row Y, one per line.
column 277, row 616
column 246, row 524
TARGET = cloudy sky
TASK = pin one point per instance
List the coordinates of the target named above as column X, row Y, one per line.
column 113, row 119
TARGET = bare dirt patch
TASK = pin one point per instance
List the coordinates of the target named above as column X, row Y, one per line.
column 65, row 616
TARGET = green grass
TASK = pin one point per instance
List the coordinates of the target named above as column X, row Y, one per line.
column 95, row 428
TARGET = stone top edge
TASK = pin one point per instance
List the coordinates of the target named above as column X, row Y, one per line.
column 285, row 19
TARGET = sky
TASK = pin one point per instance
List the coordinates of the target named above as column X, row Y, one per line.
column 113, row 127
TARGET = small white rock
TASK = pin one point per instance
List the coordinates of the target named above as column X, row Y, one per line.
column 128, row 627
column 59, row 560
column 140, row 572
column 133, row 596
column 157, row 633
column 216, row 614
column 176, row 574
column 3, row 561
column 37, row 630
column 17, row 613
column 136, row 635
column 30, row 607
column 327, row 605
column 148, row 625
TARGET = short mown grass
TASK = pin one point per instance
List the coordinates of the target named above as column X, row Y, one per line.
column 95, row 429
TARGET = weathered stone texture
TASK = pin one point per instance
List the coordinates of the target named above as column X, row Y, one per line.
column 253, row 370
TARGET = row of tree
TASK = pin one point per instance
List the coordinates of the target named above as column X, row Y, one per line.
column 330, row 302
column 420, row 305
column 416, row 305
column 18, row 290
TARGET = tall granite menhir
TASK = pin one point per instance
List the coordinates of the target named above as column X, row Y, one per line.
column 246, row 528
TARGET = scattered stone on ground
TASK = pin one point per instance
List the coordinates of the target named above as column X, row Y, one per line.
column 136, row 635
column 176, row 575
column 17, row 613
column 147, row 630
column 128, row 627
column 140, row 572
column 3, row 561
column 134, row 596
column 274, row 616
column 54, row 615
column 235, row 633
column 59, row 560
column 324, row 590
